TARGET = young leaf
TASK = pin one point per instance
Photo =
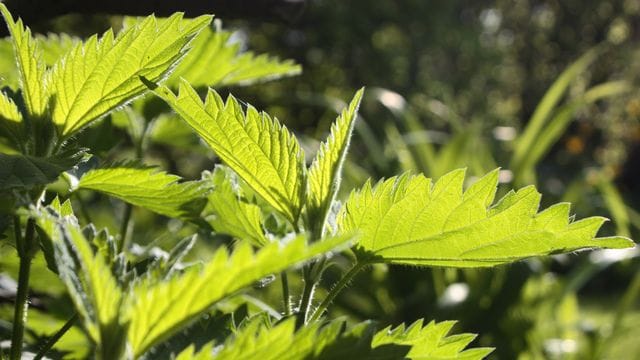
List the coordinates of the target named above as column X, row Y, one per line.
column 23, row 171
column 91, row 285
column 158, row 310
column 214, row 61
column 259, row 341
column 231, row 214
column 260, row 150
column 326, row 170
column 406, row 220
column 102, row 74
column 31, row 68
column 148, row 188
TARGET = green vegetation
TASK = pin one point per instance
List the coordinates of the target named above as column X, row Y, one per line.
column 125, row 259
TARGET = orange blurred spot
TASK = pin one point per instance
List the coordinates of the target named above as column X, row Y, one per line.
column 575, row 145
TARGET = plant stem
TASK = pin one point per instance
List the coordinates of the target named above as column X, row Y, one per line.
column 26, row 250
column 336, row 290
column 53, row 339
column 124, row 228
column 307, row 295
column 285, row 293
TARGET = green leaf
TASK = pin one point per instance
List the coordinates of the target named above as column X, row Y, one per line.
column 23, row 171
column 325, row 172
column 11, row 125
column 406, row 220
column 31, row 68
column 431, row 341
column 260, row 150
column 214, row 61
column 102, row 74
column 233, row 215
column 149, row 188
column 158, row 310
column 93, row 288
column 258, row 340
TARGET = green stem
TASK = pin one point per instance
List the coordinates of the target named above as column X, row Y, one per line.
column 124, row 228
column 53, row 339
column 26, row 251
column 336, row 290
column 307, row 296
column 285, row 293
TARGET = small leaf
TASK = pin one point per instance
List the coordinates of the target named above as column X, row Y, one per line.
column 149, row 188
column 231, row 214
column 23, row 171
column 31, row 68
column 406, row 220
column 260, row 150
column 158, row 310
column 99, row 75
column 325, row 172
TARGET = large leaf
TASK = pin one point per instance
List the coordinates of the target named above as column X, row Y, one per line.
column 31, row 67
column 158, row 310
column 91, row 285
column 260, row 150
column 231, row 214
column 407, row 220
column 102, row 74
column 148, row 188
column 326, row 170
column 362, row 341
column 23, row 171
column 215, row 61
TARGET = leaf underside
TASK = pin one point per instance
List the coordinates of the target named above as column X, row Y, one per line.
column 409, row 220
column 259, row 149
column 149, row 188
column 23, row 171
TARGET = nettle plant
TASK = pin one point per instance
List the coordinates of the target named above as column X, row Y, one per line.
column 166, row 307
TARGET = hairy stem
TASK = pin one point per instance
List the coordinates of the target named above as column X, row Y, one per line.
column 307, row 296
column 285, row 293
column 336, row 290
column 53, row 339
column 26, row 251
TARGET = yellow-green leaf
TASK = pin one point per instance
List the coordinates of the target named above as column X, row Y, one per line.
column 102, row 74
column 409, row 220
column 258, row 148
column 326, row 170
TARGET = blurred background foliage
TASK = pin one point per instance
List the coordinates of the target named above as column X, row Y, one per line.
column 547, row 90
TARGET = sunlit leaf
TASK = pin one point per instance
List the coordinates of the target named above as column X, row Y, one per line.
column 362, row 341
column 31, row 67
column 158, row 310
column 103, row 73
column 260, row 150
column 231, row 214
column 409, row 220
column 215, row 61
column 326, row 170
column 149, row 188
